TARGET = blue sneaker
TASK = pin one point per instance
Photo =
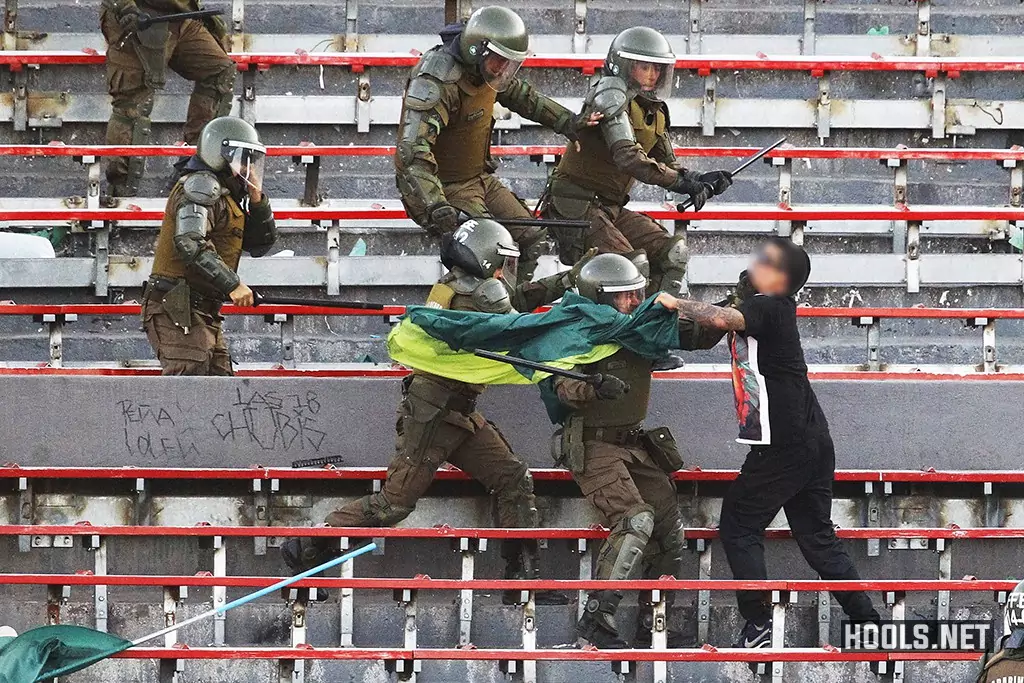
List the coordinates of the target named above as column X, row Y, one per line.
column 755, row 636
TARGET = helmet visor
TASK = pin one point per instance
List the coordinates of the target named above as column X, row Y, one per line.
column 246, row 160
column 651, row 77
column 499, row 66
column 623, row 297
column 510, row 266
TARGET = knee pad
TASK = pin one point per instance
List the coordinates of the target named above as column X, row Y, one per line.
column 517, row 503
column 380, row 512
column 621, row 554
column 668, row 553
column 671, row 263
column 640, row 260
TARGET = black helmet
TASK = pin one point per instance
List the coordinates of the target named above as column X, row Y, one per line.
column 496, row 42
column 480, row 247
column 607, row 275
column 1013, row 619
column 228, row 143
column 644, row 59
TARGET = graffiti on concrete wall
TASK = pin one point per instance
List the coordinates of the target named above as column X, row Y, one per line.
column 179, row 430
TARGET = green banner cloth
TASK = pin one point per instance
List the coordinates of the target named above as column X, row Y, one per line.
column 36, row 654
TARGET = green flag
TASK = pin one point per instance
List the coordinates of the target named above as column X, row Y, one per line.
column 35, row 654
column 576, row 331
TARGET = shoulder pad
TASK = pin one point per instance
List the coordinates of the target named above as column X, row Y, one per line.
column 202, row 187
column 491, row 297
column 440, row 64
column 610, row 96
column 423, row 94
column 463, row 283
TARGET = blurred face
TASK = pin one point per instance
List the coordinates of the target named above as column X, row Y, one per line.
column 766, row 271
column 646, row 75
column 627, row 302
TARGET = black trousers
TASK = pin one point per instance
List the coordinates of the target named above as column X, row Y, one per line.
column 796, row 478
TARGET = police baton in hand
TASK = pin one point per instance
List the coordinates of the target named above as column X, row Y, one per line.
column 542, row 367
column 146, row 20
column 258, row 299
column 543, row 223
column 742, row 167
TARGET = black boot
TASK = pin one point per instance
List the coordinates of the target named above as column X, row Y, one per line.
column 670, row 361
column 521, row 563
column 645, row 623
column 597, row 626
column 301, row 554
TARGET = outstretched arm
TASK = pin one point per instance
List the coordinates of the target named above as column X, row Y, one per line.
column 706, row 315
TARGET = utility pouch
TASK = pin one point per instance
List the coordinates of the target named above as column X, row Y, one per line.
column 567, row 447
column 661, row 446
column 151, row 47
column 423, row 416
column 177, row 303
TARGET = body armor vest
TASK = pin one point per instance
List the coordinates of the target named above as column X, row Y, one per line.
column 628, row 411
column 462, row 149
column 593, row 168
column 225, row 234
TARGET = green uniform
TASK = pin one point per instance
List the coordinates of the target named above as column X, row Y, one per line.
column 136, row 69
column 618, row 470
column 207, row 225
column 438, row 422
column 631, row 144
column 444, row 139
column 1006, row 666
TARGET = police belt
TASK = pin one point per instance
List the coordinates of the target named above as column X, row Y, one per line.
column 617, row 436
column 203, row 304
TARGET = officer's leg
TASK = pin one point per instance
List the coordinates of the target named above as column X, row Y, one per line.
column 667, row 253
column 467, row 196
column 501, row 203
column 607, row 484
column 131, row 94
column 425, row 438
column 488, row 458
column 664, row 554
column 178, row 353
column 220, row 360
column 199, row 57
column 809, row 513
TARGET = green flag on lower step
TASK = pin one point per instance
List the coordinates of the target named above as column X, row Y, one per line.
column 35, row 654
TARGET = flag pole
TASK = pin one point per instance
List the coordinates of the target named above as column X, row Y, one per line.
column 224, row 608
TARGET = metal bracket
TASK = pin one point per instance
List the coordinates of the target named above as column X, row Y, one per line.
column 807, row 43
column 579, row 35
column 824, row 617
column 363, row 104
column 56, row 597
column 26, row 512
column 351, row 25
column 874, row 506
column 311, row 189
column 709, row 111
column 10, row 39
column 530, row 637
column 94, row 174
column 20, row 112
column 468, row 547
column 101, row 276
column 785, row 179
column 824, row 106
column 261, row 509
column 238, row 25
column 944, row 548
column 407, row 669
column 298, row 632
column 1016, row 180
column 659, row 633
column 220, row 593
column 247, row 107
column 703, row 596
column 586, row 573
column 694, row 43
column 988, row 340
column 939, row 106
column 287, row 323
column 346, row 603
column 924, row 28
column 874, row 339
column 333, row 268
column 173, row 596
column 796, row 232
column 96, row 544
column 913, row 257
column 780, row 599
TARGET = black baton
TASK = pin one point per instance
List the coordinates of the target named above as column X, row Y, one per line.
column 146, row 20
column 747, row 162
column 258, row 298
column 543, row 223
column 534, row 365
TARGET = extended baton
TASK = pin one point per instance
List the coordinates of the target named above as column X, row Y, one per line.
column 534, row 365
column 258, row 298
column 146, row 20
column 543, row 223
column 747, row 162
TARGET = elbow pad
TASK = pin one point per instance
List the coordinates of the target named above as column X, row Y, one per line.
column 260, row 229
column 200, row 260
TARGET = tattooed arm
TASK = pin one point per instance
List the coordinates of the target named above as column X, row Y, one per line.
column 706, row 315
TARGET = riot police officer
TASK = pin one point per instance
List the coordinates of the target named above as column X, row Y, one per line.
column 443, row 166
column 438, row 420
column 632, row 143
column 137, row 62
column 216, row 211
column 624, row 470
column 1007, row 665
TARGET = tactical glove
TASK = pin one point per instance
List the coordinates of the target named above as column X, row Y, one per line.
column 717, row 181
column 445, row 219
column 572, row 275
column 699, row 192
column 128, row 16
column 610, row 387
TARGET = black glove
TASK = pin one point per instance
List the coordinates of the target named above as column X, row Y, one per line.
column 610, row 387
column 445, row 219
column 574, row 274
column 699, row 192
column 717, row 181
column 577, row 123
column 128, row 16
